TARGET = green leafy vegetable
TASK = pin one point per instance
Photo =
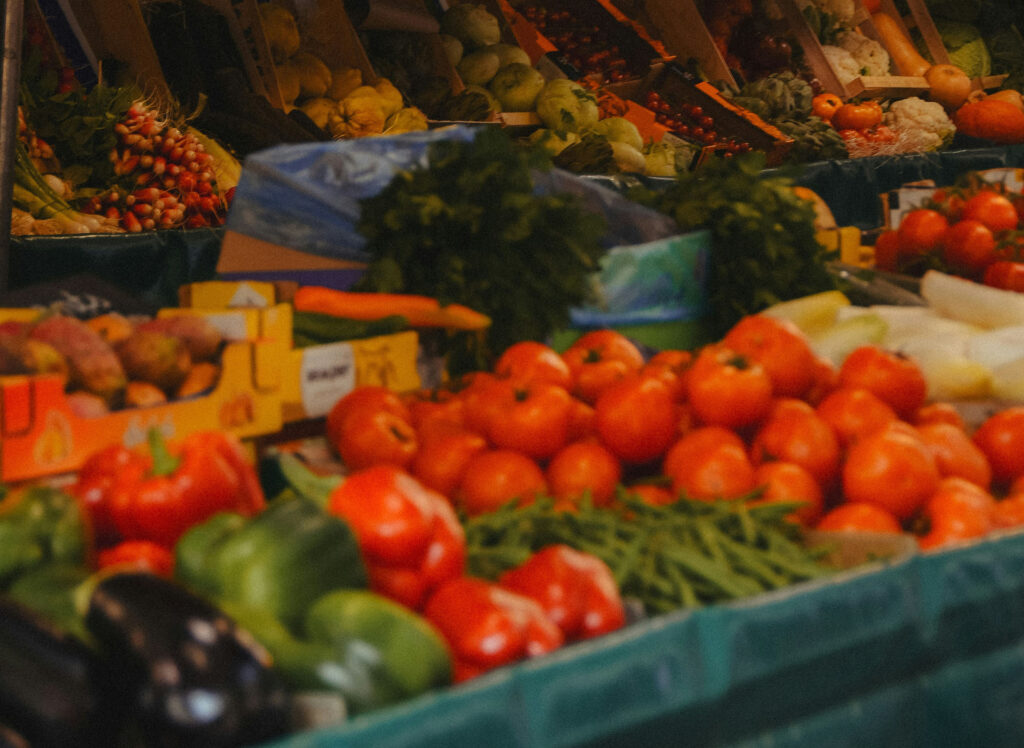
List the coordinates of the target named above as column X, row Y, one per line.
column 469, row 229
column 764, row 245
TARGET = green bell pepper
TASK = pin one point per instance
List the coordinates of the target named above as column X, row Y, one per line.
column 55, row 592
column 371, row 650
column 279, row 561
column 39, row 525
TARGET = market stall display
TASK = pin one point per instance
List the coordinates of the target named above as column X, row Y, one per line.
column 582, row 425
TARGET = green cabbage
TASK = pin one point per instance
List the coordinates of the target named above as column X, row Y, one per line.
column 967, row 49
column 565, row 105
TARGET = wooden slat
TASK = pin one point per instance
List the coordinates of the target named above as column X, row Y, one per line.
column 685, row 35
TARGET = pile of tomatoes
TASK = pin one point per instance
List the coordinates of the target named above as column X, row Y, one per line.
column 756, row 416
column 691, row 121
column 973, row 232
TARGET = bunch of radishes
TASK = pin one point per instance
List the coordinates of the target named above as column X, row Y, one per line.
column 168, row 175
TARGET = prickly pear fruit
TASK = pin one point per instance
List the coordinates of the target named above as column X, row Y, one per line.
column 202, row 338
column 92, row 363
column 155, row 357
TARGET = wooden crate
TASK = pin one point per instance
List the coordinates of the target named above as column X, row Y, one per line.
column 684, row 33
column 875, row 86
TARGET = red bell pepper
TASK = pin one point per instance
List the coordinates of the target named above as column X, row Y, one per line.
column 141, row 555
column 488, row 626
column 158, row 493
column 409, row 536
column 576, row 590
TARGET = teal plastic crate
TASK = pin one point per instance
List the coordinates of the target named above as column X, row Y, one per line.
column 927, row 651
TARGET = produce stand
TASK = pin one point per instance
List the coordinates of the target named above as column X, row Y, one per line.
column 902, row 646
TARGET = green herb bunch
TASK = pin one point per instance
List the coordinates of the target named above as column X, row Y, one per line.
column 469, row 229
column 764, row 247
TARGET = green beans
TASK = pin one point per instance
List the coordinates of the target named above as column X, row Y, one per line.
column 686, row 554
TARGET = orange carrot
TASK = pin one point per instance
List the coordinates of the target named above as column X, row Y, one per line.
column 420, row 311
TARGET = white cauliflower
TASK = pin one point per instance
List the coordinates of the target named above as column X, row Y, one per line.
column 919, row 125
column 842, row 62
column 869, row 54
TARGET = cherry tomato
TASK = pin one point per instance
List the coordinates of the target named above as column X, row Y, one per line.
column 584, row 468
column 709, row 462
column 956, row 454
column 790, row 482
column 440, row 462
column 853, row 412
column 793, row 432
column 1005, row 274
column 780, row 347
column 533, row 418
column 494, row 477
column 958, row 510
column 599, row 358
column 968, row 247
column 531, row 361
column 726, row 388
column 859, row 517
column 891, row 376
column 892, row 468
column 1001, row 438
column 920, row 232
column 636, row 418
column 994, row 210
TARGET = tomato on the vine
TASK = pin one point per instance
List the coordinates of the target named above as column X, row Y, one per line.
column 920, row 232
column 726, row 388
column 968, row 247
column 991, row 208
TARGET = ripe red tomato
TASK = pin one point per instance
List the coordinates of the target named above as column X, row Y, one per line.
column 494, row 477
column 599, row 358
column 789, row 482
column 726, row 388
column 891, row 376
column 709, row 462
column 780, row 347
column 1001, row 438
column 532, row 418
column 636, row 418
column 371, row 436
column 853, row 412
column 968, row 247
column 440, row 462
column 891, row 468
column 435, row 412
column 581, row 468
column 364, row 396
column 955, row 454
column 920, row 232
column 992, row 209
column 1009, row 511
column 670, row 367
column 938, row 412
column 652, row 494
column 531, row 361
column 1005, row 274
column 958, row 510
column 793, row 432
column 859, row 517
column 887, row 251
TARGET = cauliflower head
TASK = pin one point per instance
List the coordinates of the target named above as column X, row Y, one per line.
column 919, row 125
column 842, row 62
column 869, row 54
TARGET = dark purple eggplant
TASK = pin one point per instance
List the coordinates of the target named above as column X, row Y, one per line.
column 54, row 689
column 190, row 675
